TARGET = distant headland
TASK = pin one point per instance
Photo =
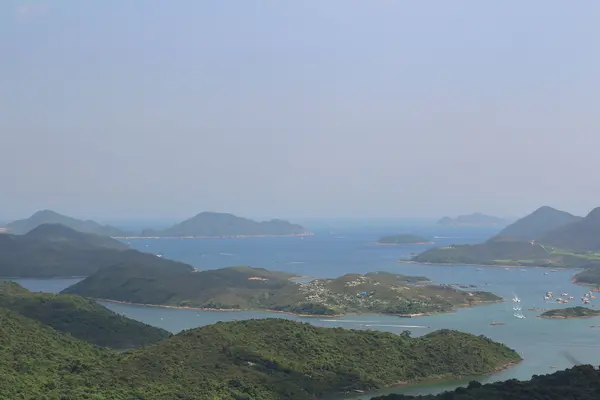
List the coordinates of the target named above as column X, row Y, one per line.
column 203, row 225
column 545, row 238
column 571, row 312
column 475, row 219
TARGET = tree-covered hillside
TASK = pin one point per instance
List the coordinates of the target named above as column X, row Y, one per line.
column 579, row 383
column 84, row 319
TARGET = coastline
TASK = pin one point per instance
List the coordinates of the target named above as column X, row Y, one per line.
column 595, row 286
column 482, row 265
column 400, row 384
column 424, row 314
column 568, row 317
column 214, row 237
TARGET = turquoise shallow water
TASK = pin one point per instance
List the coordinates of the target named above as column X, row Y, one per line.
column 541, row 342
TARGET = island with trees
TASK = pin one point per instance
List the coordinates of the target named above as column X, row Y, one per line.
column 246, row 288
column 402, row 239
column 267, row 359
column 475, row 219
column 547, row 237
column 571, row 312
column 203, row 225
column 80, row 317
column 225, row 225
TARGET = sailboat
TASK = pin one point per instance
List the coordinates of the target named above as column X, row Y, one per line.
column 516, row 299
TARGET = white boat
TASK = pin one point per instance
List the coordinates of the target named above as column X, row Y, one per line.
column 516, row 299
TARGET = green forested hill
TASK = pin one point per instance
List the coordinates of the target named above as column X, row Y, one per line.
column 582, row 235
column 535, row 225
column 84, row 319
column 546, row 237
column 268, row 359
column 579, row 383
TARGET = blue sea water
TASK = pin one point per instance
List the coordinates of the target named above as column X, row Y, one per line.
column 543, row 343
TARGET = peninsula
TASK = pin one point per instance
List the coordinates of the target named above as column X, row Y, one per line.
column 556, row 239
column 239, row 288
column 571, row 312
column 402, row 239
column 476, row 219
column 220, row 225
column 82, row 318
column 267, row 359
column 54, row 250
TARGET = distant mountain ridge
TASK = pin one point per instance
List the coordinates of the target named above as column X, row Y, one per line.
column 213, row 224
column 546, row 237
column 22, row 226
column 535, row 225
column 54, row 250
column 581, row 234
column 475, row 219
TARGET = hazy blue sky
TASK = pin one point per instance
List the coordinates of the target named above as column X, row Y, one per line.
column 113, row 108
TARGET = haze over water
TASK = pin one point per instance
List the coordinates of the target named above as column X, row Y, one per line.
column 330, row 253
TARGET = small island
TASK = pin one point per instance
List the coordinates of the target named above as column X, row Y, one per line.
column 392, row 240
column 246, row 288
column 475, row 219
column 225, row 225
column 571, row 312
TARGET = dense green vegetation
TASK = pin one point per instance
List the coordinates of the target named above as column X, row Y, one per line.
column 212, row 224
column 402, row 239
column 571, row 312
column 53, row 250
column 257, row 288
column 82, row 318
column 255, row 359
column 23, row 226
column 579, row 383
